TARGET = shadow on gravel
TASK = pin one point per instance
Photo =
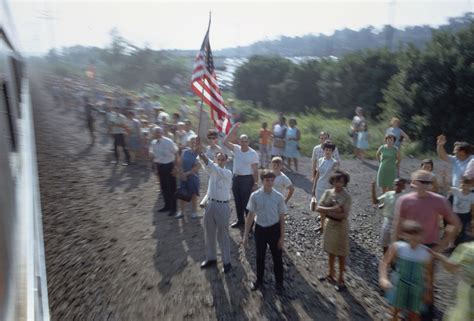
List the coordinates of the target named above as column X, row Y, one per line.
column 229, row 290
column 170, row 257
column 300, row 181
column 300, row 300
column 371, row 166
column 364, row 264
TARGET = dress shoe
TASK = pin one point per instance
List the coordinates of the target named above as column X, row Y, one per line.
column 237, row 224
column 164, row 209
column 172, row 213
column 254, row 286
column 206, row 264
column 227, row 268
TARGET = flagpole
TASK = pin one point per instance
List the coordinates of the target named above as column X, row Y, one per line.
column 202, row 93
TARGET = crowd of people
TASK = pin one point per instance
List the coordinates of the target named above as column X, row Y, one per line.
column 418, row 226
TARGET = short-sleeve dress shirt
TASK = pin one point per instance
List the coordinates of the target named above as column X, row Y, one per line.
column 459, row 167
column 318, row 152
column 267, row 207
column 164, row 150
column 220, row 182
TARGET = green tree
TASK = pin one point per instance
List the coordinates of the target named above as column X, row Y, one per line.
column 253, row 79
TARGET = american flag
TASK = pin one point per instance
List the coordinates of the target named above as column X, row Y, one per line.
column 204, row 84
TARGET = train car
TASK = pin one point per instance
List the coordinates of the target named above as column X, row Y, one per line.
column 23, row 287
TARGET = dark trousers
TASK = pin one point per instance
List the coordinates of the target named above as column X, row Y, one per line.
column 119, row 140
column 168, row 185
column 465, row 219
column 268, row 236
column 242, row 188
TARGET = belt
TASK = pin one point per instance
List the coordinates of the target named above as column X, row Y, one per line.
column 213, row 200
column 242, row 175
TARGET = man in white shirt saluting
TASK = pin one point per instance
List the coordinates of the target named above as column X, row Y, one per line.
column 217, row 215
column 245, row 170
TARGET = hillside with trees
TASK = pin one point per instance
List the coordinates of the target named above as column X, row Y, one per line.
column 344, row 41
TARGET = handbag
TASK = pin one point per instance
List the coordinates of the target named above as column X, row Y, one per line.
column 279, row 142
column 183, row 194
column 312, row 204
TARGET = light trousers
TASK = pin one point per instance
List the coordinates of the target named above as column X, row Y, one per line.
column 216, row 224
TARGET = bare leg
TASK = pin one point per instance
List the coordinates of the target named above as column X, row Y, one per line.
column 194, row 203
column 395, row 312
column 342, row 267
column 323, row 220
column 296, row 164
column 331, row 271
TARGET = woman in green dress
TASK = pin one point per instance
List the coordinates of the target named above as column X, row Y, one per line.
column 389, row 157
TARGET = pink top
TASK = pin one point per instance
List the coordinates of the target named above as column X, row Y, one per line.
column 426, row 211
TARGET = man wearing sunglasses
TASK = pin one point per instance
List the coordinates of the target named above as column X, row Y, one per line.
column 425, row 207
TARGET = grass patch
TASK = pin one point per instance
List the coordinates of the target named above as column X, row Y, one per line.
column 310, row 124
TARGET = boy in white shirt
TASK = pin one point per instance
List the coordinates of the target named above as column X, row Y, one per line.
column 463, row 207
column 282, row 184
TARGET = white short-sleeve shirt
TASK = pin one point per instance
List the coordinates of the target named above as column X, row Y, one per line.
column 243, row 161
column 164, row 150
column 282, row 182
column 462, row 203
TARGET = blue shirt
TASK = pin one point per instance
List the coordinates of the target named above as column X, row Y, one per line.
column 458, row 168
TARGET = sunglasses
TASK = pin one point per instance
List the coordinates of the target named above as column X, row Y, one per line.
column 424, row 182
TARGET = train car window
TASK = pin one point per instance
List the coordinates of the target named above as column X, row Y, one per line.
column 17, row 72
column 11, row 123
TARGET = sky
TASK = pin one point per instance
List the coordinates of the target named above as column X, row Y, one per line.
column 41, row 25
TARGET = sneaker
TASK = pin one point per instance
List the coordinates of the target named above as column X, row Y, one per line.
column 113, row 162
column 179, row 214
column 194, row 215
column 124, row 164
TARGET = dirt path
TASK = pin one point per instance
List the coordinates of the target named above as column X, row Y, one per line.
column 112, row 256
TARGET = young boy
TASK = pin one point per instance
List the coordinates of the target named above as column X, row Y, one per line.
column 282, row 183
column 463, row 207
column 325, row 167
column 389, row 199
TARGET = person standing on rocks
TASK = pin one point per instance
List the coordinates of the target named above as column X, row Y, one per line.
column 425, row 207
column 278, row 135
column 318, row 152
column 90, row 120
column 211, row 152
column 217, row 214
column 388, row 200
column 459, row 161
column 267, row 210
column 164, row 153
column 355, row 126
column 118, row 130
column 336, row 204
column 325, row 167
column 389, row 158
column 245, row 171
column 283, row 184
column 264, row 142
column 292, row 147
column 395, row 130
column 411, row 279
column 189, row 178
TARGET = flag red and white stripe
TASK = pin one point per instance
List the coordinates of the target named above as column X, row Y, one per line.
column 204, row 84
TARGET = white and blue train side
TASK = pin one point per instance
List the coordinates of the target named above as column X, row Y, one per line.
column 23, row 286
